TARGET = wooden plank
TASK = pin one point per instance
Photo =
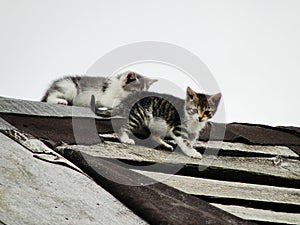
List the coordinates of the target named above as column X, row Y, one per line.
column 225, row 189
column 34, row 145
column 264, row 149
column 4, row 125
column 289, row 168
column 34, row 108
column 261, row 215
column 230, row 146
column 36, row 192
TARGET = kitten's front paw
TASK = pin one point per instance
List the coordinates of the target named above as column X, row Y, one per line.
column 167, row 146
column 195, row 154
column 127, row 141
column 190, row 151
column 62, row 102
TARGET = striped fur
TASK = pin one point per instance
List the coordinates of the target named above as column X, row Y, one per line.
column 164, row 115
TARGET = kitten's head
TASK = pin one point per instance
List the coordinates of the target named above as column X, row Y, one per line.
column 133, row 82
column 200, row 106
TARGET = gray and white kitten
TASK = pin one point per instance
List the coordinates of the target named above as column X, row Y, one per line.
column 108, row 92
column 162, row 115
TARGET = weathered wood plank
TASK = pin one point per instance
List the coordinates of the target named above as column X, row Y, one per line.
column 230, row 146
column 36, row 192
column 261, row 215
column 34, row 145
column 264, row 149
column 4, row 125
column 34, row 108
column 288, row 168
column 225, row 189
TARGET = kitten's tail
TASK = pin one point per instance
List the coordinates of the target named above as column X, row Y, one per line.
column 44, row 98
column 93, row 104
column 103, row 112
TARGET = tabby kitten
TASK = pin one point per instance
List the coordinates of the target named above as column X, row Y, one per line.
column 108, row 92
column 167, row 116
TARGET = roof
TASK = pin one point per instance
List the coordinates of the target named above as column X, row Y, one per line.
column 37, row 192
column 251, row 176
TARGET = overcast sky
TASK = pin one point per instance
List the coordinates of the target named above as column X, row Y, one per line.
column 251, row 47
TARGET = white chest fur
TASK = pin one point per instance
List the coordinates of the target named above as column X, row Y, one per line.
column 194, row 127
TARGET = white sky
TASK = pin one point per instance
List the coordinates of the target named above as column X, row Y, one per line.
column 250, row 46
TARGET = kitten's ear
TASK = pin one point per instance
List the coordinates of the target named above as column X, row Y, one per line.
column 150, row 81
column 215, row 99
column 130, row 76
column 190, row 94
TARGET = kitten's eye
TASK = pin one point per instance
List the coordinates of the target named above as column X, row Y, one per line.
column 194, row 111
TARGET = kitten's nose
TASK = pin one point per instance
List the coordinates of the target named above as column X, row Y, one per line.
column 200, row 116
